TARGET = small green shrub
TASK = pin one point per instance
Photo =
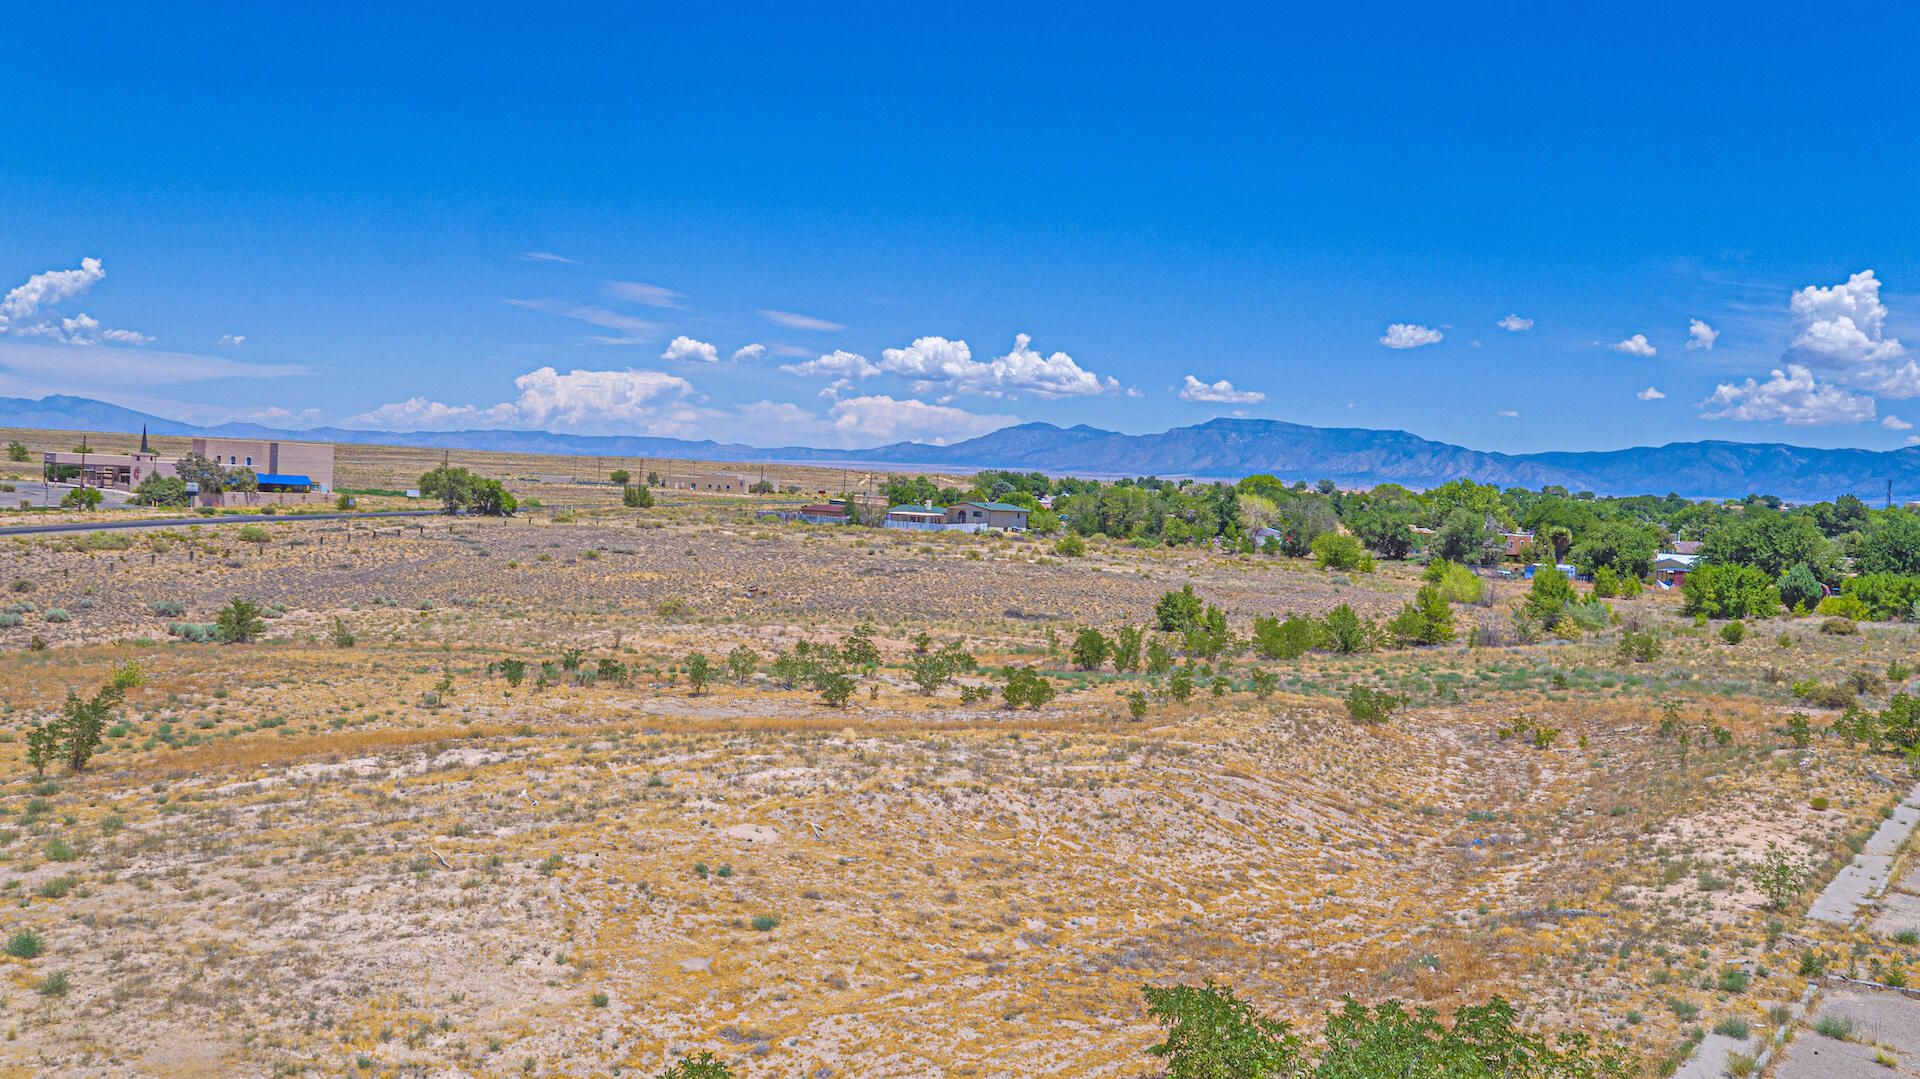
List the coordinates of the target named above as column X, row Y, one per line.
column 25, row 944
column 765, row 922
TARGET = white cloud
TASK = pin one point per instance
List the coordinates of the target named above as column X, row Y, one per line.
column 836, row 364
column 749, row 353
column 1515, row 323
column 1636, row 346
column 1700, row 335
column 935, row 363
column 884, row 419
column 1650, row 394
column 232, row 340
column 686, row 350
column 72, row 368
column 274, row 415
column 614, row 402
column 1842, row 329
column 1509, row 413
column 1409, row 335
column 651, row 295
column 1895, row 423
column 799, row 322
column 1220, row 393
column 793, row 352
column 1793, row 397
column 81, row 329
column 47, row 289
column 543, row 256
column 633, row 331
column 44, row 290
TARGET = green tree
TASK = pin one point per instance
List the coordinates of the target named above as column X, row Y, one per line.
column 1024, row 685
column 1343, row 631
column 1547, row 599
column 1621, row 546
column 1893, row 546
column 158, row 490
column 1288, row 639
column 1800, row 588
column 1426, row 620
column 242, row 480
column 1338, row 551
column 239, row 622
column 835, row 687
column 1090, row 649
column 84, row 722
column 929, row 671
column 199, row 469
column 16, row 450
column 639, row 498
column 1770, row 542
column 1461, row 537
column 1126, row 648
column 490, row 498
column 1212, row 1034
column 1730, row 591
column 700, row 1066
column 741, row 662
column 698, row 672
column 1177, row 612
column 451, row 484
column 619, row 477
column 85, row 498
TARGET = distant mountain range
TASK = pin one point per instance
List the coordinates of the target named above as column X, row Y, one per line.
column 1217, row 449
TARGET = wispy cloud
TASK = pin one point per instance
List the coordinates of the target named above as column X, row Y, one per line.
column 650, row 295
column 799, row 322
column 633, row 331
column 543, row 256
column 232, row 340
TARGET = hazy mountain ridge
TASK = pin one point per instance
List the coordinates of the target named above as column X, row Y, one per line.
column 1217, row 449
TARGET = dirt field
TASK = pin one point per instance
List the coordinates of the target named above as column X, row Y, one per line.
column 299, row 856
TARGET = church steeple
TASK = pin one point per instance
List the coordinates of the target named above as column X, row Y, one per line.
column 143, row 439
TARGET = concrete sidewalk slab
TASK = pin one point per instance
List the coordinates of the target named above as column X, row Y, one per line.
column 1865, row 878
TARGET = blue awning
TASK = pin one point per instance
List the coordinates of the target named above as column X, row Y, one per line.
column 269, row 479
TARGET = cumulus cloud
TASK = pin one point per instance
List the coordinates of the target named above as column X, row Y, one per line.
column 749, row 353
column 653, row 402
column 882, row 418
column 21, row 308
column 686, row 350
column 1841, row 329
column 232, row 340
column 47, row 289
column 1650, row 394
column 1219, row 393
column 935, row 363
column 836, row 364
column 633, row 331
column 1700, row 335
column 1636, row 346
column 1794, row 397
column 1895, row 423
column 1409, row 335
column 799, row 322
column 651, row 295
column 1515, row 323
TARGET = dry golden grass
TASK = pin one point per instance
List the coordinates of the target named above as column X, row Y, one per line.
column 295, row 854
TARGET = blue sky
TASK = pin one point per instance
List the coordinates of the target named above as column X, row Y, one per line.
column 848, row 225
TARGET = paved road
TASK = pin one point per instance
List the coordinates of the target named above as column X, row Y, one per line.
column 243, row 518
